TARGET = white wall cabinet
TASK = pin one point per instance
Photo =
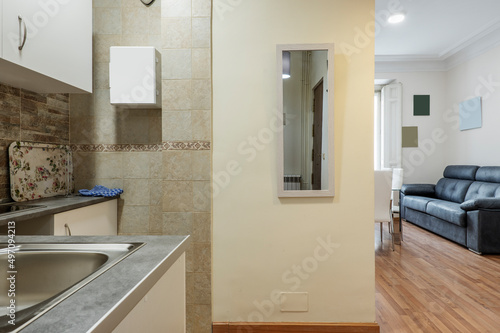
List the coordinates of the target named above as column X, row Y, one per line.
column 134, row 76
column 163, row 308
column 56, row 40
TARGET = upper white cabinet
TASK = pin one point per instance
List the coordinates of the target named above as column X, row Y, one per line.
column 46, row 46
column 134, row 76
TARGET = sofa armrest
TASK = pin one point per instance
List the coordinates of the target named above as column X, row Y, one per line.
column 425, row 190
column 481, row 203
column 483, row 230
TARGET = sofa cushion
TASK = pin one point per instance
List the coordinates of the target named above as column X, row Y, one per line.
column 482, row 190
column 417, row 203
column 466, row 172
column 448, row 211
column 452, row 189
column 488, row 174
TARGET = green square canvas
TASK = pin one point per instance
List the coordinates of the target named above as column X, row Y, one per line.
column 410, row 136
column 421, row 105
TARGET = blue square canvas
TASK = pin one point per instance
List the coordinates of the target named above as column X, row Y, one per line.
column 470, row 114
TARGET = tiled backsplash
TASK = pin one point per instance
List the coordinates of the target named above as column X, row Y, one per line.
column 28, row 116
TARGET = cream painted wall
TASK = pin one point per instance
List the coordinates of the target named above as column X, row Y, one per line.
column 261, row 244
column 477, row 77
column 426, row 163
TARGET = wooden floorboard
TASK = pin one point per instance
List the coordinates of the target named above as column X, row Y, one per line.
column 430, row 284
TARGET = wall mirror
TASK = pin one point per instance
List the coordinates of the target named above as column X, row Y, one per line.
column 305, row 104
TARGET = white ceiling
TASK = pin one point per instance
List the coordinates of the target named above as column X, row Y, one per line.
column 435, row 30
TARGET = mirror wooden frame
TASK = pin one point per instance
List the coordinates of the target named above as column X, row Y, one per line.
column 330, row 191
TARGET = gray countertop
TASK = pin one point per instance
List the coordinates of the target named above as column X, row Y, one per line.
column 51, row 206
column 95, row 307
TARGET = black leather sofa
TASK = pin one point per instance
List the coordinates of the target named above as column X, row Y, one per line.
column 464, row 206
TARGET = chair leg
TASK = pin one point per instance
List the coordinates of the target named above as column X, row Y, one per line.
column 381, row 224
column 401, row 228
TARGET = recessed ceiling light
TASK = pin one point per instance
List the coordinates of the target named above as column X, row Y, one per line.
column 396, row 18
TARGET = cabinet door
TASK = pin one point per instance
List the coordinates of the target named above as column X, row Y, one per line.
column 98, row 219
column 58, row 38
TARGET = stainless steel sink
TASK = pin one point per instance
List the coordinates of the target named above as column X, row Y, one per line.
column 45, row 274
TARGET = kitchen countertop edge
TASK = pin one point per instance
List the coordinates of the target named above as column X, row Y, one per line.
column 103, row 303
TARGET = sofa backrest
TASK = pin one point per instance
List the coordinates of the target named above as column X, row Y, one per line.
column 487, row 184
column 456, row 182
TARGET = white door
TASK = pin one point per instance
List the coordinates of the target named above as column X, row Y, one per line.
column 57, row 38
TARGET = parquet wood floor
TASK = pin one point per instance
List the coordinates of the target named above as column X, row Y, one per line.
column 430, row 284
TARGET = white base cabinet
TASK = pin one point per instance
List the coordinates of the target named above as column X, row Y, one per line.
column 163, row 308
column 95, row 220
column 46, row 46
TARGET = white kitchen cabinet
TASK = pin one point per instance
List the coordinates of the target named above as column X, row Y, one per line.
column 134, row 76
column 94, row 220
column 98, row 219
column 163, row 308
column 56, row 40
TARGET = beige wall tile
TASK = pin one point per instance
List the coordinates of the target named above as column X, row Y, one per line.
column 102, row 43
column 201, row 7
column 176, row 94
column 101, row 75
column 200, row 167
column 105, row 3
column 81, row 105
column 155, row 41
column 202, row 288
column 201, row 32
column 84, row 165
column 109, row 183
column 176, row 64
column 177, row 196
column 203, row 257
column 156, row 165
column 201, row 63
column 105, row 130
column 177, row 165
column 177, row 126
column 136, row 192
column 155, row 192
column 176, row 8
column 108, row 21
column 81, row 129
column 136, row 165
column 199, row 318
column 134, row 40
column 154, row 16
column 177, row 223
column 201, row 196
column 202, row 228
column 134, row 219
column 108, row 165
column 102, row 105
column 135, row 20
column 201, row 125
column 176, row 33
column 190, row 293
column 155, row 129
column 202, row 94
column 133, row 130
column 155, row 220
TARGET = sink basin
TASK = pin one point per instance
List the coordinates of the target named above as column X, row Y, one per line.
column 48, row 273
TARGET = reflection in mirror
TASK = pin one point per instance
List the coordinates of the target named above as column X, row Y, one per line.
column 306, row 147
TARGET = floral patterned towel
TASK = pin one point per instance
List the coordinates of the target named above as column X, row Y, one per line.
column 39, row 170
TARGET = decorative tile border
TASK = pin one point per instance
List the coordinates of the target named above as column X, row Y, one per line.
column 168, row 145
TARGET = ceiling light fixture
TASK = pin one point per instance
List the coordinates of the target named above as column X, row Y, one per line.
column 396, row 18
